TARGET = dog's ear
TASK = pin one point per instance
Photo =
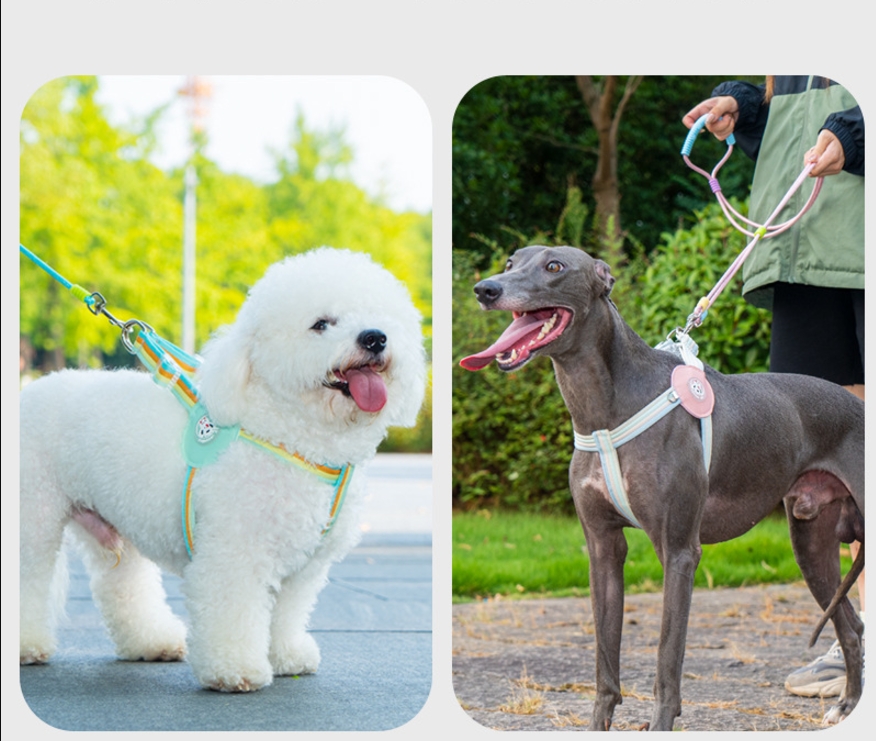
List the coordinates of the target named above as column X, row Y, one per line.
column 604, row 273
column 224, row 376
column 411, row 389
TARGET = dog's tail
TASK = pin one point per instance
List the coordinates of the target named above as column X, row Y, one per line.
column 844, row 587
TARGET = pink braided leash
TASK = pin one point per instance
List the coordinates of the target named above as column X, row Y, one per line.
column 760, row 231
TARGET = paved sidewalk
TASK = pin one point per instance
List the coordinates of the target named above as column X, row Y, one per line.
column 373, row 623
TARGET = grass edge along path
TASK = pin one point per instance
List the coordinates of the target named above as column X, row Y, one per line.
column 526, row 554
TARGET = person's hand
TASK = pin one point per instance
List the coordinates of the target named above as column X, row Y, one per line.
column 723, row 110
column 827, row 154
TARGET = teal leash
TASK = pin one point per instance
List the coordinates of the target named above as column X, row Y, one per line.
column 76, row 290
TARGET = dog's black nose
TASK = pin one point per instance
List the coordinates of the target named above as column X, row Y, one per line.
column 488, row 291
column 372, row 340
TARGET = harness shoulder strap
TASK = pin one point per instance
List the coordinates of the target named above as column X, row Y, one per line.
column 613, row 478
column 606, row 442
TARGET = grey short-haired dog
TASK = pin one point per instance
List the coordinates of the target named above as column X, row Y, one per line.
column 704, row 473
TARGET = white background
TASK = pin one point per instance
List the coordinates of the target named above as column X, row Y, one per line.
column 440, row 51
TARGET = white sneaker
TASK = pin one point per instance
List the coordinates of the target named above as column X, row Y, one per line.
column 821, row 677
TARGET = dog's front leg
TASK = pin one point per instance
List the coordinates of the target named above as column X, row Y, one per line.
column 293, row 649
column 679, row 566
column 229, row 601
column 607, row 548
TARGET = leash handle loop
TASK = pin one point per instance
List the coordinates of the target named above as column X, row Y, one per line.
column 698, row 126
column 757, row 232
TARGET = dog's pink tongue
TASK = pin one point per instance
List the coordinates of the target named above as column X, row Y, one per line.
column 367, row 388
column 516, row 331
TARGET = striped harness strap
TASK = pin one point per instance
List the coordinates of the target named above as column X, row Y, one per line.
column 690, row 389
column 203, row 441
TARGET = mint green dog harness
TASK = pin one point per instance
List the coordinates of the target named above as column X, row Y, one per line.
column 203, row 440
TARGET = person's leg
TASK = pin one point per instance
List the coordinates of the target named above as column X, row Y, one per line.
column 820, row 332
column 858, row 390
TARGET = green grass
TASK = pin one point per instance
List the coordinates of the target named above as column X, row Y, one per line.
column 513, row 553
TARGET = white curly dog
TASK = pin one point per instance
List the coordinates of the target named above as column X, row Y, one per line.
column 325, row 354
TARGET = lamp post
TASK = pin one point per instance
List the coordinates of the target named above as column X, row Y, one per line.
column 189, row 237
column 197, row 90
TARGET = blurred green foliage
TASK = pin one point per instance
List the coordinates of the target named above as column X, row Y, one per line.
column 95, row 208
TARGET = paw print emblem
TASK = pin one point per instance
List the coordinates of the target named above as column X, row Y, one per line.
column 205, row 430
column 696, row 388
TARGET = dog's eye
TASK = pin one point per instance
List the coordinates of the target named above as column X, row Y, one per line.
column 554, row 267
column 321, row 325
column 508, row 266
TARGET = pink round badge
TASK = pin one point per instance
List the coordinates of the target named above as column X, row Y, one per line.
column 694, row 390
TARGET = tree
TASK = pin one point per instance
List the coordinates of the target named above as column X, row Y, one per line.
column 520, row 143
column 599, row 97
column 313, row 203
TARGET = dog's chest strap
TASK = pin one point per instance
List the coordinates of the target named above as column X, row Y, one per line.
column 691, row 390
column 200, row 426
column 204, row 441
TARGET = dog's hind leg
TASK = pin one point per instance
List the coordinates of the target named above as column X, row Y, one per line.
column 43, row 585
column 293, row 649
column 127, row 590
column 44, row 513
column 814, row 536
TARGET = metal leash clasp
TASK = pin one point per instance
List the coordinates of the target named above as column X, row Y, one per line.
column 682, row 345
column 130, row 329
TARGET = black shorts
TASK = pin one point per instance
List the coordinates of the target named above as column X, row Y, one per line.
column 818, row 332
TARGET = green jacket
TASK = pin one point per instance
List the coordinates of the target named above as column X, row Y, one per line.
column 826, row 247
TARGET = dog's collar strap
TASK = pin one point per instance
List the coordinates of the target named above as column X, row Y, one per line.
column 635, row 425
column 606, row 443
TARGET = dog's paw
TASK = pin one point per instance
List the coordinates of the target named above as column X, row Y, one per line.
column 236, row 681
column 299, row 655
column 35, row 646
column 169, row 652
column 238, row 684
column 33, row 655
column 159, row 643
column 834, row 715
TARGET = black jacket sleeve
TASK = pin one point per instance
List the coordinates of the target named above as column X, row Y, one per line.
column 848, row 126
column 751, row 121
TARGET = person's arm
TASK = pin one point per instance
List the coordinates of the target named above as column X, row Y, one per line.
column 848, row 128
column 752, row 114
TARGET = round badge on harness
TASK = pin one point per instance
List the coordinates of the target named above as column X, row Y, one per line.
column 203, row 439
column 205, row 430
column 694, row 390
